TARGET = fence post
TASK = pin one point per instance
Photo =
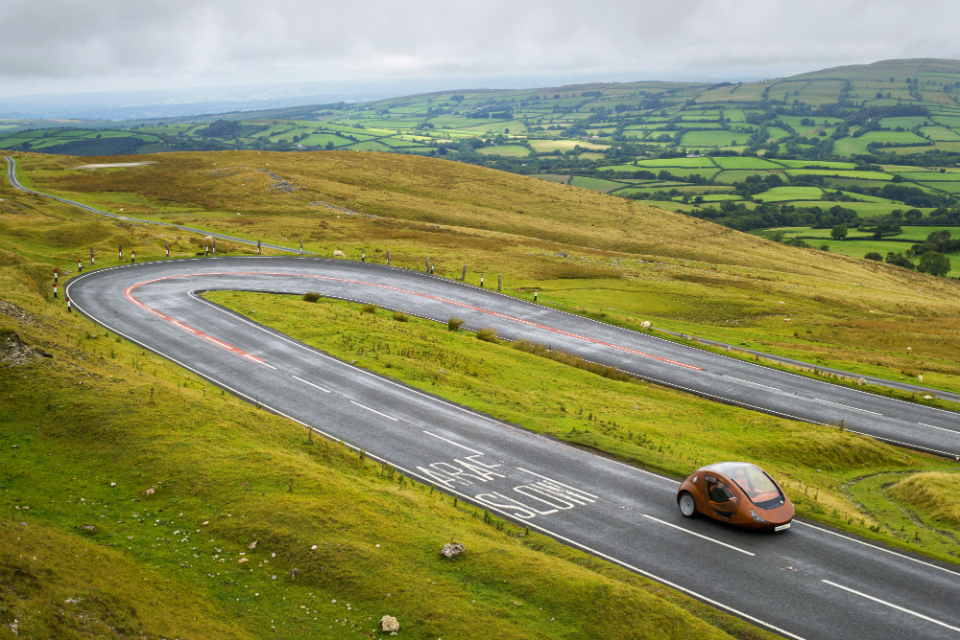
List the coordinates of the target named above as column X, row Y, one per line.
column 463, row 276
column 121, row 253
column 258, row 247
column 301, row 247
column 426, row 267
column 69, row 306
column 214, row 246
column 92, row 259
column 55, row 296
column 481, row 280
column 363, row 255
column 168, row 248
column 499, row 282
column 535, row 295
column 79, row 265
column 388, row 257
column 133, row 255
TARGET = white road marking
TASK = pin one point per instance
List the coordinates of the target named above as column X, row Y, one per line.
column 924, row 424
column 752, row 384
column 558, row 483
column 362, row 406
column 311, row 384
column 845, row 406
column 456, row 444
column 873, row 546
column 723, row 544
column 268, row 365
column 892, row 606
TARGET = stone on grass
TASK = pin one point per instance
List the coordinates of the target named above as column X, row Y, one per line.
column 389, row 623
column 452, row 549
column 295, row 573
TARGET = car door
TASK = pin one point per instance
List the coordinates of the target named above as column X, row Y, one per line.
column 721, row 498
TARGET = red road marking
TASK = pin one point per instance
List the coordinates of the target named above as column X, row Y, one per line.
column 127, row 293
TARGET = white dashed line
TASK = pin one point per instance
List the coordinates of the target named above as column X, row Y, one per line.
column 924, row 424
column 845, row 406
column 456, row 444
column 311, row 384
column 362, row 406
column 268, row 365
column 722, row 544
column 892, row 606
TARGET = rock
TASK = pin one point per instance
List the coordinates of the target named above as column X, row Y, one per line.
column 928, row 397
column 645, row 324
column 242, row 560
column 389, row 623
column 88, row 527
column 453, row 549
column 252, row 545
column 150, row 491
column 295, row 573
column 72, row 600
column 113, row 484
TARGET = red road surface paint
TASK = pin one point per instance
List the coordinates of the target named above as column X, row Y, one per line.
column 128, row 294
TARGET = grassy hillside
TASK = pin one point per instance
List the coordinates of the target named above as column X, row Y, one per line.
column 141, row 502
column 587, row 252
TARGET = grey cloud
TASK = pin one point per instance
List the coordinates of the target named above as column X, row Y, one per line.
column 57, row 45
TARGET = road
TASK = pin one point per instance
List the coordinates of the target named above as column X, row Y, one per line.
column 805, row 583
column 808, row 582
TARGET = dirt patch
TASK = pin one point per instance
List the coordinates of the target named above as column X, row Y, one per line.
column 13, row 311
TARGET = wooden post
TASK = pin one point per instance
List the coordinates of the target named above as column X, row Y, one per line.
column 363, row 255
column 168, row 248
column 388, row 257
column 499, row 282
column 463, row 276
column 426, row 267
column 258, row 247
column 214, row 246
column 301, row 247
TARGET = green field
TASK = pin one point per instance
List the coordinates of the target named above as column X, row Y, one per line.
column 861, row 175
column 695, row 139
column 595, row 184
column 782, row 194
column 745, row 163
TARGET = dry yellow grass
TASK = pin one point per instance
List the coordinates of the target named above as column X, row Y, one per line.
column 936, row 494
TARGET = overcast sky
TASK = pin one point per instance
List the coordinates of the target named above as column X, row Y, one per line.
column 68, row 46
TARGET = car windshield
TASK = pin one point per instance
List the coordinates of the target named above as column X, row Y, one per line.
column 752, row 480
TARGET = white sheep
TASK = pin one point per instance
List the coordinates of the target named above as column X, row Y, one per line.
column 339, row 254
column 645, row 324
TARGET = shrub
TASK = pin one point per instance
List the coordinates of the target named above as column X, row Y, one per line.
column 454, row 323
column 368, row 308
column 311, row 296
column 824, row 247
column 487, row 334
column 400, row 316
column 873, row 255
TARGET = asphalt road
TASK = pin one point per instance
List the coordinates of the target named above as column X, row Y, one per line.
column 807, row 582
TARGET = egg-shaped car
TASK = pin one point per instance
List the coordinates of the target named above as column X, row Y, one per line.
column 739, row 493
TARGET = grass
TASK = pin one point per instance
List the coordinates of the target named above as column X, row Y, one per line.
column 143, row 488
column 745, row 163
column 780, row 194
column 861, row 175
column 655, row 428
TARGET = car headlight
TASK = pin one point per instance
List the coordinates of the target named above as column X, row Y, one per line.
column 753, row 514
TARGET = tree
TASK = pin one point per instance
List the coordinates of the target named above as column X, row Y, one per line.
column 873, row 255
column 936, row 264
column 329, row 146
column 839, row 232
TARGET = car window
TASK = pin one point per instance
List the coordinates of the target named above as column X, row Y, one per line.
column 719, row 496
column 752, row 480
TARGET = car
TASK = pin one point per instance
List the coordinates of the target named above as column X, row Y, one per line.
column 738, row 493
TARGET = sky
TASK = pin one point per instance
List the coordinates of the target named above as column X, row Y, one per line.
column 66, row 46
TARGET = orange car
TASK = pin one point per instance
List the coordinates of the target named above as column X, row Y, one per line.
column 736, row 492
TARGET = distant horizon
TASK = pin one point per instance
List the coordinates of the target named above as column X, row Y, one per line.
column 201, row 101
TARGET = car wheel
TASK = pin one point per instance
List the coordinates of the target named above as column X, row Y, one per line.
column 688, row 506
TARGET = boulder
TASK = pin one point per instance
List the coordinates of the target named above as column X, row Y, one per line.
column 389, row 624
column 452, row 549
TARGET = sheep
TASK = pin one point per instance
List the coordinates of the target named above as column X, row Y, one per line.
column 339, row 254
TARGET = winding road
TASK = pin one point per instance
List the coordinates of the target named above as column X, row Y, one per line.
column 808, row 582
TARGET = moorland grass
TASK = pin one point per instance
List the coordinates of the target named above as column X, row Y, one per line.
column 652, row 427
column 141, row 501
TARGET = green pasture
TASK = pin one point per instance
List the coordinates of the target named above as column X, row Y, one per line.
column 781, row 194
column 735, row 162
column 862, row 175
column 595, row 184
column 686, row 163
column 505, row 150
column 739, row 175
column 816, row 164
column 697, row 139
